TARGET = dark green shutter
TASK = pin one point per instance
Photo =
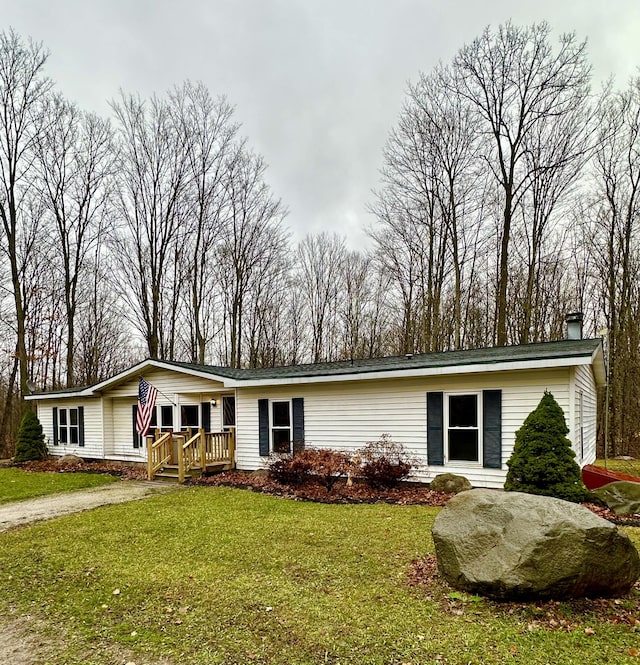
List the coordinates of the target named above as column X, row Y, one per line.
column 298, row 423
column 263, row 427
column 81, row 426
column 492, row 429
column 56, row 441
column 136, row 436
column 205, row 416
column 435, row 440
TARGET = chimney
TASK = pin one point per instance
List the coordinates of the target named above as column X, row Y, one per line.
column 574, row 325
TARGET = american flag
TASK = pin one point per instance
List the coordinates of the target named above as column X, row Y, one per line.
column 146, row 403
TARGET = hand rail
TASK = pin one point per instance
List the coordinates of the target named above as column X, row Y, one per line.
column 158, row 453
column 188, row 456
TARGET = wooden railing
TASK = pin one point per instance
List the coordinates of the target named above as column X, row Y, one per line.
column 202, row 449
column 158, row 453
column 189, row 455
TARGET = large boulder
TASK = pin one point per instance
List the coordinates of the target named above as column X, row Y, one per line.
column 449, row 482
column 622, row 496
column 510, row 545
column 70, row 460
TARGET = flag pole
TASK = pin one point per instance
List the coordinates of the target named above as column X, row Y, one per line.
column 159, row 391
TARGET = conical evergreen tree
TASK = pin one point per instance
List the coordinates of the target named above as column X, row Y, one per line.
column 542, row 461
column 30, row 444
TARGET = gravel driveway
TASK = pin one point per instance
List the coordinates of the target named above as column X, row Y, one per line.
column 20, row 640
column 19, row 513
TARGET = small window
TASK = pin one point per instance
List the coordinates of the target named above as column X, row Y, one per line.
column 190, row 416
column 463, row 431
column 228, row 412
column 281, row 427
column 166, row 417
column 73, row 426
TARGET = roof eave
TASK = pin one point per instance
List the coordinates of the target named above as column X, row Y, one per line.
column 474, row 368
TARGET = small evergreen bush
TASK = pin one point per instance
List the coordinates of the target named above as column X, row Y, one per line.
column 542, row 461
column 30, row 445
column 384, row 463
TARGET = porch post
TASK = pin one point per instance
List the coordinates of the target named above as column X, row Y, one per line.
column 202, row 448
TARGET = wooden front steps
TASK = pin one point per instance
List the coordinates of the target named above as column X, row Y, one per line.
column 179, row 456
column 171, row 472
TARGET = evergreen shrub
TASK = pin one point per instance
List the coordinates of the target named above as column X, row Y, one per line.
column 30, row 445
column 542, row 461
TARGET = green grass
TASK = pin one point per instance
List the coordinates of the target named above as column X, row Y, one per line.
column 630, row 467
column 16, row 484
column 218, row 575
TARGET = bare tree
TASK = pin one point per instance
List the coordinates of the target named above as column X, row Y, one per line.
column 516, row 83
column 75, row 156
column 209, row 131
column 23, row 89
column 253, row 235
column 320, row 261
column 152, row 175
column 616, row 249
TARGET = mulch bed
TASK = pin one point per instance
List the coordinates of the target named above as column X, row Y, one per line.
column 404, row 494
column 124, row 471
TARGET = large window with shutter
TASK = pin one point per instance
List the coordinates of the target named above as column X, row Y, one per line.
column 463, row 419
column 68, row 426
column 465, row 428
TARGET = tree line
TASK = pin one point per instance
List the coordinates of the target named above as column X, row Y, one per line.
column 508, row 197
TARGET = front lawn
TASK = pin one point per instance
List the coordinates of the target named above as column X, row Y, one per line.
column 16, row 484
column 630, row 467
column 221, row 575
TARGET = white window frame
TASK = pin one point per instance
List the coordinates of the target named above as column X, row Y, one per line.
column 273, row 427
column 67, row 427
column 462, row 393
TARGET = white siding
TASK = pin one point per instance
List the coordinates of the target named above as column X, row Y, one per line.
column 347, row 415
column 174, row 389
column 584, row 383
column 92, row 448
column 167, row 382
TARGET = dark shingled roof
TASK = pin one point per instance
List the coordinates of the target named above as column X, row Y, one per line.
column 526, row 352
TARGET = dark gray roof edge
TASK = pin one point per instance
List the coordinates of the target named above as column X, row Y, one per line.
column 440, row 359
column 480, row 356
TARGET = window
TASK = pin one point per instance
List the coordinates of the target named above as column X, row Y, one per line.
column 166, row 417
column 190, row 416
column 281, row 427
column 68, row 426
column 462, row 420
column 228, row 412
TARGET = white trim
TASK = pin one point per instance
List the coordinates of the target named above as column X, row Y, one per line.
column 446, row 428
column 278, row 400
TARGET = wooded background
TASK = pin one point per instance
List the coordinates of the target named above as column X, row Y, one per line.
column 509, row 196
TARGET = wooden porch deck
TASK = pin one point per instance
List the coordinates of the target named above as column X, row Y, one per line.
column 185, row 452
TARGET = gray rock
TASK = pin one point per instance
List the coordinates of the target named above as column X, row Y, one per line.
column 70, row 460
column 449, row 482
column 622, row 496
column 510, row 545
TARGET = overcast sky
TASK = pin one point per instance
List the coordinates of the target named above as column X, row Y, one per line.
column 317, row 84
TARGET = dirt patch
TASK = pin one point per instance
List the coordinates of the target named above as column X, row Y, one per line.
column 20, row 513
column 24, row 641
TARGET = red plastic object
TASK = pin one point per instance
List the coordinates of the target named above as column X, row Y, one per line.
column 595, row 476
